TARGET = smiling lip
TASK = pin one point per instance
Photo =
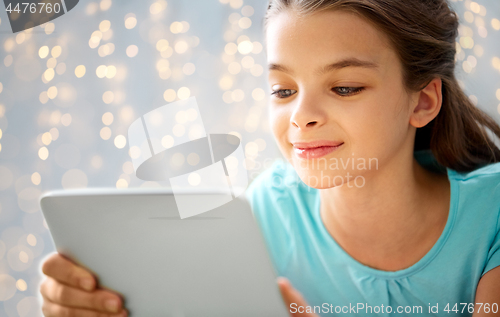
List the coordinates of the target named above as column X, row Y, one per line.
column 316, row 149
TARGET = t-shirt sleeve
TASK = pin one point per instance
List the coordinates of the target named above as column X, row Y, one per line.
column 493, row 258
column 269, row 199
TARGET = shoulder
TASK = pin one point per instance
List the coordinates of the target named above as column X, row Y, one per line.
column 478, row 197
column 271, row 197
column 278, row 195
column 479, row 192
column 273, row 186
column 484, row 180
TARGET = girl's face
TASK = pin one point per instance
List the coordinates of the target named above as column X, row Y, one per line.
column 338, row 105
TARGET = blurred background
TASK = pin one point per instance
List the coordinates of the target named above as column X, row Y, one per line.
column 69, row 89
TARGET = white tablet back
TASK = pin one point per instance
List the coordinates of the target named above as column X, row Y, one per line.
column 213, row 264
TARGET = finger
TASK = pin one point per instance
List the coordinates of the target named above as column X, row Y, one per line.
column 289, row 292
column 292, row 296
column 50, row 309
column 67, row 272
column 98, row 300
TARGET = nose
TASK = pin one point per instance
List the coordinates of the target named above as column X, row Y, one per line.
column 307, row 115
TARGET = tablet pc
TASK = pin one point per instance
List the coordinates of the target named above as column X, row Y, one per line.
column 134, row 241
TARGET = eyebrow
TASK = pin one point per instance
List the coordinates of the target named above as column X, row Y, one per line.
column 350, row 62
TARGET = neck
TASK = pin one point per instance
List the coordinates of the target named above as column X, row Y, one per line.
column 400, row 206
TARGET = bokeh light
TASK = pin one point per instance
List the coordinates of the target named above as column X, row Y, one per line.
column 80, row 71
column 132, row 50
column 130, row 21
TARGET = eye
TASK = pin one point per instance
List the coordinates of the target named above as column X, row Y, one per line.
column 283, row 93
column 347, row 91
column 341, row 91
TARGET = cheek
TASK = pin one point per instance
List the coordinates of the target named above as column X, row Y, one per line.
column 382, row 126
column 279, row 123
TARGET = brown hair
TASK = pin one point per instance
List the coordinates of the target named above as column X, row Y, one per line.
column 423, row 33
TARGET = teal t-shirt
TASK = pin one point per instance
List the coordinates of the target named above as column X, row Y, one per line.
column 301, row 249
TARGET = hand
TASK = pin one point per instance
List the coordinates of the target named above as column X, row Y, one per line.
column 70, row 290
column 291, row 295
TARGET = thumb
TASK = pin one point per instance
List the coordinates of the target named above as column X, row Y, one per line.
column 292, row 296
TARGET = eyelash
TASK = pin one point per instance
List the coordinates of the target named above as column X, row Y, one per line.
column 353, row 91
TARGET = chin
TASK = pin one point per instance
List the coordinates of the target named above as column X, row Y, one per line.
column 319, row 178
column 317, row 175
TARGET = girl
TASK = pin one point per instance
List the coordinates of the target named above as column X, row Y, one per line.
column 389, row 202
column 415, row 232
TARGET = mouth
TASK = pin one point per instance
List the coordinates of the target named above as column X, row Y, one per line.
column 317, row 149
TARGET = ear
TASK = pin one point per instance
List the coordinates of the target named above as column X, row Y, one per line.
column 429, row 104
